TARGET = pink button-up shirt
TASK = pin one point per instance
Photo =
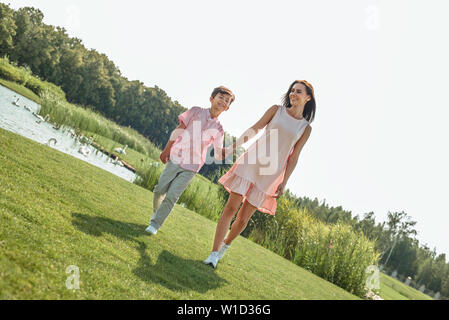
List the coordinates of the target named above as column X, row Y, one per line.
column 190, row 148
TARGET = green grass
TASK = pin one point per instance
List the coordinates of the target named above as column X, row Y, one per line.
column 392, row 289
column 20, row 90
column 135, row 158
column 23, row 76
column 334, row 252
column 57, row 211
column 87, row 120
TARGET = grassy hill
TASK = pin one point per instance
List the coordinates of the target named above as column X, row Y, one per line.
column 392, row 289
column 57, row 211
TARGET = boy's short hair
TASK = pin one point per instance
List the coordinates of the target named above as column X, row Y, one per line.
column 223, row 90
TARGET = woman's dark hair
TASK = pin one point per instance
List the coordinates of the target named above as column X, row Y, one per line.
column 310, row 107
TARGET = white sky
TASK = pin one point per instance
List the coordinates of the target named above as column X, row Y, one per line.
column 379, row 68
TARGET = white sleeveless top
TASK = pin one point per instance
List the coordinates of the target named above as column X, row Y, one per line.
column 259, row 171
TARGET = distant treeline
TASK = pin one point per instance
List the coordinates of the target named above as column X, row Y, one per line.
column 87, row 77
column 90, row 79
column 401, row 252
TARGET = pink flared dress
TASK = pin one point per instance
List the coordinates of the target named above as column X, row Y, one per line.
column 258, row 172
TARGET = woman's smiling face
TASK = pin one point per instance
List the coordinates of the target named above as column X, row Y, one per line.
column 298, row 95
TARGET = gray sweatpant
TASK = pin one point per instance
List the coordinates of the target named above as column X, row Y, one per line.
column 172, row 183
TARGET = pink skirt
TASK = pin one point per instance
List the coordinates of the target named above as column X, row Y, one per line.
column 262, row 201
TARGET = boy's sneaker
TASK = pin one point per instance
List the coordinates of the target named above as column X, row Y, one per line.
column 151, row 230
column 222, row 250
column 212, row 260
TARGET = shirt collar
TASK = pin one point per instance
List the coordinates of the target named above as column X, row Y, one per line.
column 209, row 117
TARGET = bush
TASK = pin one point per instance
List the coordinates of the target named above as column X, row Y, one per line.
column 23, row 76
column 334, row 252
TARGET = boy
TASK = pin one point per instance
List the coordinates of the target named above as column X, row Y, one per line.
column 185, row 153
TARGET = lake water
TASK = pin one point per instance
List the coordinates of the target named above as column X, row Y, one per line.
column 22, row 121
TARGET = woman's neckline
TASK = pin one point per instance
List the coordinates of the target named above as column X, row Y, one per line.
column 286, row 110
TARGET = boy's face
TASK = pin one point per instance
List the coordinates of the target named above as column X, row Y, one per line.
column 220, row 103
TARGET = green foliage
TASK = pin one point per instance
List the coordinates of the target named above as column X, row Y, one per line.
column 21, row 90
column 321, row 211
column 7, row 29
column 24, row 76
column 87, row 77
column 334, row 252
column 63, row 113
column 72, row 213
column 201, row 196
column 65, row 68
column 392, row 289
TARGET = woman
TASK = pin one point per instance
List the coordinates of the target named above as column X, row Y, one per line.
column 250, row 181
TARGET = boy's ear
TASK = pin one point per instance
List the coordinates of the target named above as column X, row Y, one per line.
column 211, row 99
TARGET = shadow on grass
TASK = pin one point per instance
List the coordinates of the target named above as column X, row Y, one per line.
column 176, row 273
column 173, row 272
column 97, row 226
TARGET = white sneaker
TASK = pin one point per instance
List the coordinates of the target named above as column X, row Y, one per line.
column 151, row 230
column 212, row 260
column 222, row 250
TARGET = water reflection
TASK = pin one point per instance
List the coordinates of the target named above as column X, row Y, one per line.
column 19, row 115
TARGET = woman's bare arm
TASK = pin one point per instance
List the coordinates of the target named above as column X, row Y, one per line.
column 252, row 132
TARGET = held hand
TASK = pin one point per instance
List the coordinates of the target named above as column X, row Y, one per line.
column 280, row 190
column 226, row 152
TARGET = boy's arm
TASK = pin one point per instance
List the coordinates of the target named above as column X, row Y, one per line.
column 165, row 155
column 219, row 151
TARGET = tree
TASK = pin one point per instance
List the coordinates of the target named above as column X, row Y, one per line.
column 29, row 47
column 445, row 286
column 96, row 90
column 438, row 272
column 400, row 226
column 404, row 257
column 7, row 29
column 425, row 272
column 68, row 73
